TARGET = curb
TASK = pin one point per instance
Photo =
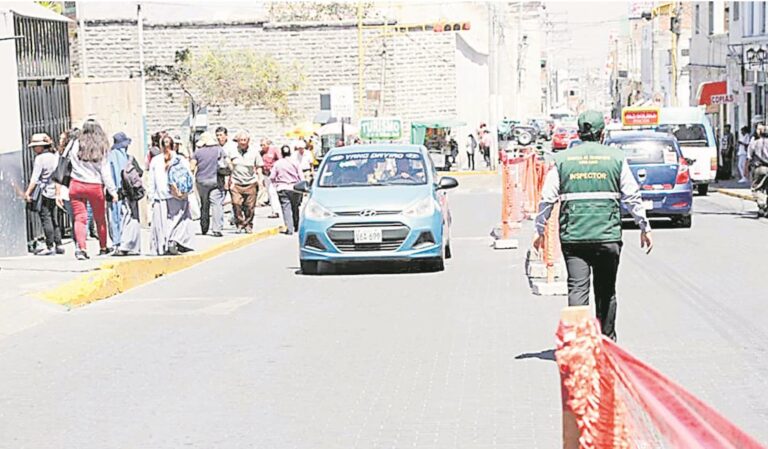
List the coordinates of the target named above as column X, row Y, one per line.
column 113, row 278
column 728, row 192
column 468, row 173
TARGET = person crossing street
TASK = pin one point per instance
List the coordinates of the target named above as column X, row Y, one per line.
column 590, row 181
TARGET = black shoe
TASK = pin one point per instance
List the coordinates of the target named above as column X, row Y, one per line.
column 81, row 255
column 217, row 234
column 105, row 252
column 173, row 249
column 59, row 250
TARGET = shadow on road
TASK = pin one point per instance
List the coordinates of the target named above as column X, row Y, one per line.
column 368, row 268
column 547, row 354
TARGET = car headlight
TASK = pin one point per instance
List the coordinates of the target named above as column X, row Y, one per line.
column 315, row 211
column 422, row 208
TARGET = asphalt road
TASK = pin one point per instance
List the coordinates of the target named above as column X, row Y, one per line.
column 242, row 352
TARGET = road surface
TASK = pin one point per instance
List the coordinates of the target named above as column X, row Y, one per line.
column 242, row 352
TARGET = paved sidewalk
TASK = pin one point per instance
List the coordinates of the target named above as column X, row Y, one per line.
column 26, row 278
column 734, row 189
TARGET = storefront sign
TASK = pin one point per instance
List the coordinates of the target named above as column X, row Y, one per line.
column 640, row 116
column 381, row 128
column 722, row 99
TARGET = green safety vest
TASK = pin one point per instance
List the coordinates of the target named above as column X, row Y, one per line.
column 590, row 191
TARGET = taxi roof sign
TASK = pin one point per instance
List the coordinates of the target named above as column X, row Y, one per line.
column 645, row 116
column 381, row 128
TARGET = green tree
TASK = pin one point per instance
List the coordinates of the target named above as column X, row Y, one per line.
column 290, row 11
column 57, row 7
column 240, row 77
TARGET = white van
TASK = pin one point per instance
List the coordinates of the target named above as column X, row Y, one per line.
column 694, row 133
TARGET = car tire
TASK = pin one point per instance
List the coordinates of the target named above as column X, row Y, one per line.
column 703, row 189
column 309, row 267
column 686, row 221
column 448, row 250
column 524, row 138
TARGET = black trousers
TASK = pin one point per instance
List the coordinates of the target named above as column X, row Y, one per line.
column 601, row 261
column 50, row 220
column 471, row 161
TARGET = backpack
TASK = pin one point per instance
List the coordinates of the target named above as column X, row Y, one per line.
column 130, row 176
column 180, row 176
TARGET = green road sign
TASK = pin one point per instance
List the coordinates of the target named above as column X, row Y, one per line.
column 381, row 128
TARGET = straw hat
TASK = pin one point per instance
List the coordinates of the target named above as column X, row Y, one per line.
column 206, row 139
column 40, row 140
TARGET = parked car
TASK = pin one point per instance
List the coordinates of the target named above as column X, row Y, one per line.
column 376, row 203
column 662, row 173
column 543, row 128
column 562, row 136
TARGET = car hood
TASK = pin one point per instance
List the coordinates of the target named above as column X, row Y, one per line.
column 374, row 197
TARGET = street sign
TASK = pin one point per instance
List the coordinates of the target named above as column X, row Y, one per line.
column 381, row 128
column 342, row 101
column 640, row 116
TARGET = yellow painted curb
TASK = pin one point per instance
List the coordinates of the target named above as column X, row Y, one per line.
column 113, row 278
column 467, row 173
column 729, row 192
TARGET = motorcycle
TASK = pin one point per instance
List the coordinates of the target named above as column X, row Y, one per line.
column 760, row 190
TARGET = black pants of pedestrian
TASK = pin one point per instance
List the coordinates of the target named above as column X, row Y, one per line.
column 471, row 161
column 601, row 260
column 50, row 218
column 290, row 202
column 486, row 155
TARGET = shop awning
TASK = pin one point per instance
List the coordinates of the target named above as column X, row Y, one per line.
column 419, row 127
column 714, row 93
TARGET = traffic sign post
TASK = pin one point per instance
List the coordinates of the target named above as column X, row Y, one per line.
column 342, row 105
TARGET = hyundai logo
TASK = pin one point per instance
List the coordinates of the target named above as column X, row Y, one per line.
column 367, row 213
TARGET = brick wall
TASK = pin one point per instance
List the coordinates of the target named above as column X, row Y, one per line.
column 419, row 79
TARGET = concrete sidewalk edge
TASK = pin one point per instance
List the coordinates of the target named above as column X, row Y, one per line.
column 113, row 278
column 735, row 194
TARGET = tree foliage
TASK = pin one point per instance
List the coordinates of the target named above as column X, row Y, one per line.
column 240, row 77
column 303, row 11
column 57, row 7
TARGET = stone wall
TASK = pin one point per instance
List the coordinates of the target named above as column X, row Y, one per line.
column 420, row 77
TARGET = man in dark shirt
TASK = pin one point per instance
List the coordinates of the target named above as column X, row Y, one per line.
column 205, row 164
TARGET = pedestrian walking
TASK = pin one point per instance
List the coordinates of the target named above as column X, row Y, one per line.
column 270, row 154
column 124, row 217
column 726, row 152
column 471, row 149
column 485, row 146
column 222, row 137
column 741, row 154
column 284, row 175
column 206, row 161
column 66, row 141
column 757, row 159
column 590, row 180
column 245, row 163
column 90, row 176
column 303, row 159
column 41, row 193
column 170, row 183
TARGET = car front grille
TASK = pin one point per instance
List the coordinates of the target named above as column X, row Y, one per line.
column 393, row 235
column 359, row 213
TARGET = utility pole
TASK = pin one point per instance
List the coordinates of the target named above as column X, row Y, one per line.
column 360, row 59
column 493, row 83
column 675, row 28
column 140, row 23
column 520, row 62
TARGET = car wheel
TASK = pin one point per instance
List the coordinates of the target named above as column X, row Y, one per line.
column 686, row 221
column 309, row 267
column 524, row 138
column 448, row 251
column 703, row 189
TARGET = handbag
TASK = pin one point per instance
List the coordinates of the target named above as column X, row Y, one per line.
column 36, row 199
column 63, row 172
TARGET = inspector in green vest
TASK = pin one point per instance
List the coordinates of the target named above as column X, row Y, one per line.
column 590, row 191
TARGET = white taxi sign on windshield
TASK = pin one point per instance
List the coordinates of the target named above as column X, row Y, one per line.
column 640, row 116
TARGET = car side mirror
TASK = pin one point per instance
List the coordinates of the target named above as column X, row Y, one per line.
column 446, row 182
column 301, row 186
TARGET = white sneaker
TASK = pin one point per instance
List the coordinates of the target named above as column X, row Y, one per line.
column 743, row 181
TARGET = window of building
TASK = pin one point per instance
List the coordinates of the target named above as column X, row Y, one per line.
column 761, row 17
column 726, row 17
column 749, row 23
column 710, row 18
column 735, row 11
column 696, row 20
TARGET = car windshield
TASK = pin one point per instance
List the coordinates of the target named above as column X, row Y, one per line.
column 688, row 135
column 373, row 169
column 647, row 151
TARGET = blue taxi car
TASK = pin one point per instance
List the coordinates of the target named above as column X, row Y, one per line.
column 661, row 172
column 375, row 202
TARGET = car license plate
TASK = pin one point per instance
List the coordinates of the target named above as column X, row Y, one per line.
column 648, row 204
column 368, row 235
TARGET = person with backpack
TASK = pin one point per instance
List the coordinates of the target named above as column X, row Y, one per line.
column 169, row 187
column 125, row 227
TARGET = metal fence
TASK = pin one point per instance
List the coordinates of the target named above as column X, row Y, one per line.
column 42, row 56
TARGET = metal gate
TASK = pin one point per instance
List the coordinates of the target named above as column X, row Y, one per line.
column 43, row 71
